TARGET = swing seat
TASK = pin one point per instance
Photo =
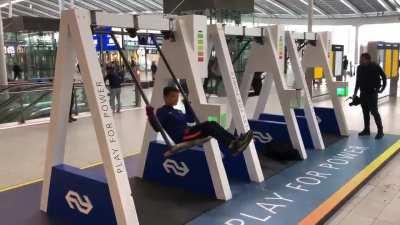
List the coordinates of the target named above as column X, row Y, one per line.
column 183, row 146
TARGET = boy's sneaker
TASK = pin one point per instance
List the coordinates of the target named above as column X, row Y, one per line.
column 239, row 145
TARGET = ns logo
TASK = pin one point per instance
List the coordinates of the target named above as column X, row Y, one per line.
column 75, row 201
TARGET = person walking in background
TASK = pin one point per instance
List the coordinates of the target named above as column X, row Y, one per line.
column 136, row 73
column 153, row 69
column 371, row 80
column 257, row 83
column 71, row 106
column 17, row 72
column 114, row 81
column 213, row 76
column 345, row 66
column 135, row 69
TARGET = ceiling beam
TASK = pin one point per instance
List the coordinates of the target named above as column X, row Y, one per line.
column 78, row 4
column 54, row 11
column 104, row 6
column 351, row 6
column 328, row 5
column 155, row 4
column 354, row 21
column 123, row 5
column 139, row 4
column 316, row 8
column 32, row 9
column 7, row 3
column 257, row 9
column 370, row 6
column 396, row 4
column 282, row 7
column 23, row 12
column 86, row 5
column 262, row 10
column 384, row 5
column 56, row 6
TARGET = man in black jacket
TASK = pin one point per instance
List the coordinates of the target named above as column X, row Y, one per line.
column 371, row 80
column 114, row 80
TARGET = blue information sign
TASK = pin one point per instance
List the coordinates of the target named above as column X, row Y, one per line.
column 104, row 42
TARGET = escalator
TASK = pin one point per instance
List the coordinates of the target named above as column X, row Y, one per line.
column 20, row 102
column 15, row 92
column 28, row 101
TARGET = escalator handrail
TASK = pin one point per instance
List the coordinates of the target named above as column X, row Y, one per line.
column 39, row 89
column 18, row 96
column 21, row 85
column 23, row 110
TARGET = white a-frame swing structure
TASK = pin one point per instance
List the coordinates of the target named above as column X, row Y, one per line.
column 186, row 54
column 217, row 41
column 318, row 56
column 76, row 41
column 268, row 56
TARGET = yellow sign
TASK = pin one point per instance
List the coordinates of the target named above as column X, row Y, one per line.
column 395, row 64
column 388, row 62
column 318, row 73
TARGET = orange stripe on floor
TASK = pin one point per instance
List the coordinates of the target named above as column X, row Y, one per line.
column 326, row 207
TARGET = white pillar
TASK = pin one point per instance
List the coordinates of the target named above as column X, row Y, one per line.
column 356, row 45
column 310, row 15
column 3, row 68
column 10, row 9
column 60, row 6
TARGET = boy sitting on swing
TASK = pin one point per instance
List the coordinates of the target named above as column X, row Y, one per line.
column 175, row 122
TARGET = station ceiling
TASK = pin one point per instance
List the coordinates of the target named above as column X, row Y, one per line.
column 262, row 8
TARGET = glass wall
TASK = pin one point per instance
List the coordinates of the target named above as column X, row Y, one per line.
column 341, row 35
column 34, row 53
column 380, row 32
